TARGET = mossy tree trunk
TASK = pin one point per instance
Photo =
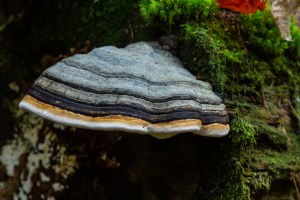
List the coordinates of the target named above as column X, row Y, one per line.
column 242, row 56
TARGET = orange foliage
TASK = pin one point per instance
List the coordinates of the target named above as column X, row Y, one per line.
column 244, row 6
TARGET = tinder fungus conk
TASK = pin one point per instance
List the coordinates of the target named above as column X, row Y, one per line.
column 139, row 89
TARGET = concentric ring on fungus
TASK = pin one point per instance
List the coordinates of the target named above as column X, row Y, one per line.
column 140, row 89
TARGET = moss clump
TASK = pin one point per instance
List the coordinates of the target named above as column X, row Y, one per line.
column 175, row 12
column 242, row 131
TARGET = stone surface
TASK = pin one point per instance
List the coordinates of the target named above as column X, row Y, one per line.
column 139, row 88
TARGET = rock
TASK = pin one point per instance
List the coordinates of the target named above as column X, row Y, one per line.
column 167, row 43
column 139, row 88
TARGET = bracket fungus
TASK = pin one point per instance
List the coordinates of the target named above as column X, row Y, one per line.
column 139, row 88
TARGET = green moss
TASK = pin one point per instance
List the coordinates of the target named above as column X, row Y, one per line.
column 174, row 12
column 260, row 31
column 295, row 45
column 272, row 135
column 258, row 180
column 242, row 131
